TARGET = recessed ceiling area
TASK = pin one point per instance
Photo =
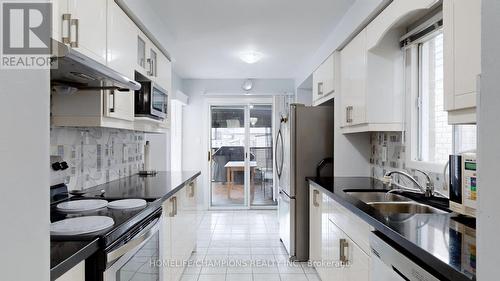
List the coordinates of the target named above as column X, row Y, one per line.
column 210, row 36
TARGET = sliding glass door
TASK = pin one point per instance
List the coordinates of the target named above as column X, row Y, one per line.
column 241, row 156
column 261, row 148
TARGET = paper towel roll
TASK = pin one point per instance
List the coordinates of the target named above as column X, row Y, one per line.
column 147, row 164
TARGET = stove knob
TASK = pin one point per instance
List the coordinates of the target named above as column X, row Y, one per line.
column 64, row 165
column 56, row 166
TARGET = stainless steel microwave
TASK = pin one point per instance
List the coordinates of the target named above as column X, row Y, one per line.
column 151, row 100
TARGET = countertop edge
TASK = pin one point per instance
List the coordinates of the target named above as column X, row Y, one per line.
column 430, row 260
column 79, row 256
column 177, row 188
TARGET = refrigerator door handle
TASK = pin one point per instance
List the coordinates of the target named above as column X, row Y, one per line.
column 279, row 143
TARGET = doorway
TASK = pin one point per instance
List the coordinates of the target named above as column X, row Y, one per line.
column 241, row 156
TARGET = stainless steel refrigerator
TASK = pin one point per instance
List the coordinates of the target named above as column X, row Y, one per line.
column 305, row 137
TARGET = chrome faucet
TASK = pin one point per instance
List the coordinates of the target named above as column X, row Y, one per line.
column 428, row 190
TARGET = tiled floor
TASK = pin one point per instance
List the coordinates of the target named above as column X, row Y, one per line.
column 243, row 246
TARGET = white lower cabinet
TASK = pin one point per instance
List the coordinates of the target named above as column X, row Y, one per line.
column 335, row 253
column 178, row 235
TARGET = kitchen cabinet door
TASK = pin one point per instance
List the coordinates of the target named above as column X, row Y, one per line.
column 163, row 71
column 183, row 229
column 462, row 58
column 60, row 24
column 121, row 31
column 359, row 262
column 334, row 270
column 324, row 80
column 121, row 54
column 315, row 203
column 88, row 28
column 141, row 52
column 318, row 86
column 328, row 269
column 166, row 238
column 353, row 84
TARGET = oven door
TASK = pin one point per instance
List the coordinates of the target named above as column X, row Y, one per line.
column 159, row 102
column 138, row 258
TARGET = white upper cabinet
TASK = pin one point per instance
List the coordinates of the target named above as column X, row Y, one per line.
column 101, row 30
column 324, row 79
column 121, row 54
column 81, row 24
column 163, row 71
column 462, row 58
column 353, row 81
column 372, row 70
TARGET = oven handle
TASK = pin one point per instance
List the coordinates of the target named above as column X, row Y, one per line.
column 142, row 236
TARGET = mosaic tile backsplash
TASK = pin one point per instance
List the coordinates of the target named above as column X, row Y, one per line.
column 388, row 152
column 97, row 155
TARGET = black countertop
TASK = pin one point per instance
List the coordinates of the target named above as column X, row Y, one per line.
column 152, row 188
column 66, row 253
column 444, row 244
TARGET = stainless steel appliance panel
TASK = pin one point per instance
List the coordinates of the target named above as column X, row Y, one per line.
column 143, row 249
column 388, row 264
column 286, row 208
column 307, row 139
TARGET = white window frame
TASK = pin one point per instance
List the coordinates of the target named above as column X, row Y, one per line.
column 412, row 87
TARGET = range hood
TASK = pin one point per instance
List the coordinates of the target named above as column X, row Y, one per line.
column 73, row 69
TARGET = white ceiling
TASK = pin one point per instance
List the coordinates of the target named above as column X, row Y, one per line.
column 208, row 35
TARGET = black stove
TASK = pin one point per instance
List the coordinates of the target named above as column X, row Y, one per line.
column 124, row 220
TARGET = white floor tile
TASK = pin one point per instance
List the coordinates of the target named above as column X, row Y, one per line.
column 293, row 277
column 186, row 277
column 239, row 269
column 266, row 277
column 296, row 269
column 239, row 277
column 214, row 277
column 213, row 270
column 313, row 277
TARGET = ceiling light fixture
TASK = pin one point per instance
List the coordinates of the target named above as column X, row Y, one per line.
column 251, row 57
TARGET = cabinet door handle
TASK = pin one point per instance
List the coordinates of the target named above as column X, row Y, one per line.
column 315, row 198
column 191, row 190
column 320, row 88
column 173, row 201
column 112, row 102
column 150, row 70
column 76, row 26
column 344, row 248
column 349, row 113
column 66, row 28
column 175, row 205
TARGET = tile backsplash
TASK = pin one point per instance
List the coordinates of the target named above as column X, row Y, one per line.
column 388, row 152
column 97, row 155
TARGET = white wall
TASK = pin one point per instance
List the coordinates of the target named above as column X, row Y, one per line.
column 355, row 18
column 488, row 220
column 161, row 144
column 24, row 192
column 195, row 114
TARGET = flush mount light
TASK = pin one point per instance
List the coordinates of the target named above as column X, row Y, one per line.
column 251, row 57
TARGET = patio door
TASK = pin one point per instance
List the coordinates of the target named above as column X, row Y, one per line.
column 241, row 156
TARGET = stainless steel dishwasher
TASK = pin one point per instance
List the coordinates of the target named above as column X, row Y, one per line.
column 389, row 264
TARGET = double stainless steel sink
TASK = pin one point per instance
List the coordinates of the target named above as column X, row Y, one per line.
column 392, row 204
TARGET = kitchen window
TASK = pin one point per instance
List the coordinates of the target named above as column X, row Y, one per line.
column 431, row 140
